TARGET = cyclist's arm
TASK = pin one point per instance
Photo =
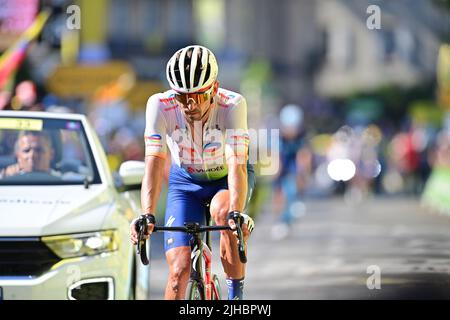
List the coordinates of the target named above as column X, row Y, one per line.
column 236, row 153
column 155, row 155
column 237, row 184
column 152, row 183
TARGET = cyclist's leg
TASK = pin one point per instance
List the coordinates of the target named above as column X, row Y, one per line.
column 289, row 187
column 182, row 206
column 219, row 208
column 178, row 259
column 233, row 268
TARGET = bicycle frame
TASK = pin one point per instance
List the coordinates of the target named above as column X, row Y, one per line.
column 198, row 247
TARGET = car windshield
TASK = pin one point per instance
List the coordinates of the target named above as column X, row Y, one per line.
column 45, row 152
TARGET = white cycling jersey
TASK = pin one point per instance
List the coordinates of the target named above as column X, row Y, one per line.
column 201, row 154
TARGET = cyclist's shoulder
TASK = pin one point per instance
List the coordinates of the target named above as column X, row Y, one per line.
column 227, row 98
column 162, row 100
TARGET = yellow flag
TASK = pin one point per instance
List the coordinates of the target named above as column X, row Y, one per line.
column 443, row 76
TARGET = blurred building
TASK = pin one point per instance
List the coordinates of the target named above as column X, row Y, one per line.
column 144, row 32
column 325, row 46
column 402, row 52
column 284, row 32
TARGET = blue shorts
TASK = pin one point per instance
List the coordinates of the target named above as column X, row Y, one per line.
column 187, row 201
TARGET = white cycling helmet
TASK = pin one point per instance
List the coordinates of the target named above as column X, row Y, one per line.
column 192, row 69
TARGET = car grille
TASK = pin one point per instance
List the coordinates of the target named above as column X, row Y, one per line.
column 25, row 257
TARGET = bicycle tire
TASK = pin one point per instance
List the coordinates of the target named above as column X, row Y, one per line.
column 194, row 291
column 216, row 283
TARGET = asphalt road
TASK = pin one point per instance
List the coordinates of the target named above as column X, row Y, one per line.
column 336, row 251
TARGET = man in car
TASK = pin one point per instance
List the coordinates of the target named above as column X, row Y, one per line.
column 34, row 153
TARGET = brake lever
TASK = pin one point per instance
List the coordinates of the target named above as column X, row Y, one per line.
column 241, row 245
column 141, row 250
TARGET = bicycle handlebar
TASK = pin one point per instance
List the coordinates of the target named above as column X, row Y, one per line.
column 142, row 226
column 189, row 230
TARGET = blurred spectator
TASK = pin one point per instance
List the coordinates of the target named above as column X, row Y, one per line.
column 295, row 168
column 25, row 97
column 354, row 161
column 408, row 153
column 365, row 156
column 50, row 101
column 119, row 130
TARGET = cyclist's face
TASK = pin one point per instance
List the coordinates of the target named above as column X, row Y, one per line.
column 34, row 153
column 195, row 105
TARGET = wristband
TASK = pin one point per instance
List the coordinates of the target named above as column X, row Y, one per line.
column 150, row 218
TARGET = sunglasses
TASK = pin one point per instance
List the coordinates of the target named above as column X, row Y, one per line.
column 197, row 97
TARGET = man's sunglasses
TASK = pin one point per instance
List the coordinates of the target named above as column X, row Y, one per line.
column 197, row 97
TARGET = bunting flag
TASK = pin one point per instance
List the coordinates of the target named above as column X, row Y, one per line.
column 13, row 57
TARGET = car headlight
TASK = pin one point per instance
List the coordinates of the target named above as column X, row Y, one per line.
column 82, row 244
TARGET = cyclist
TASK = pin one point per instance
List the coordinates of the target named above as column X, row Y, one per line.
column 205, row 129
column 295, row 159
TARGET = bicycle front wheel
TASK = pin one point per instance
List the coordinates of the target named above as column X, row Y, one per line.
column 216, row 287
column 194, row 291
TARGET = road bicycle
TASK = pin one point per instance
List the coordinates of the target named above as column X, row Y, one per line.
column 202, row 285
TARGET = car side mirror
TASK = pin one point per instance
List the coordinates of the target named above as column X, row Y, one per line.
column 131, row 174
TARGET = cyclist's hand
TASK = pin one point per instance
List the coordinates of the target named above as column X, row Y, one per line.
column 11, row 170
column 247, row 226
column 134, row 231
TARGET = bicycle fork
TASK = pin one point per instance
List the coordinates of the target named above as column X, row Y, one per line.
column 198, row 247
